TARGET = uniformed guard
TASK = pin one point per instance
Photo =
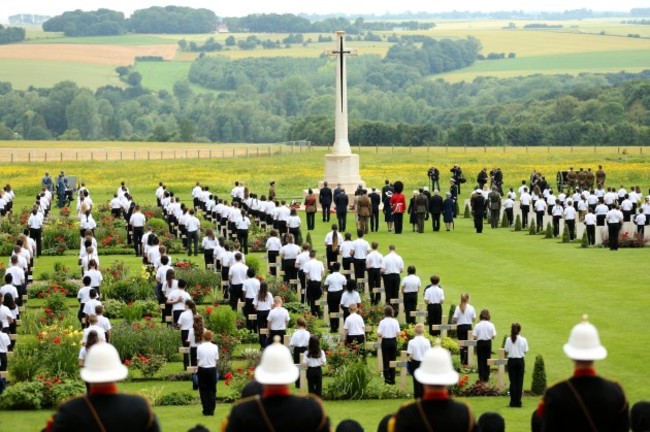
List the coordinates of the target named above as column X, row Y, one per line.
column 436, row 410
column 277, row 409
column 103, row 409
column 584, row 402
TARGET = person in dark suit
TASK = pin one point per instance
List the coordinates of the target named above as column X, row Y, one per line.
column 341, row 202
column 102, row 408
column 325, row 200
column 375, row 200
column 477, row 203
column 435, row 208
column 277, row 409
column 435, row 410
column 584, row 402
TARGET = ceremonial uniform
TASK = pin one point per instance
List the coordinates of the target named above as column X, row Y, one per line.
column 583, row 401
column 435, row 412
column 277, row 411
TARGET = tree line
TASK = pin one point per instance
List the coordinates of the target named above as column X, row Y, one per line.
column 105, row 22
column 273, row 100
column 10, row 35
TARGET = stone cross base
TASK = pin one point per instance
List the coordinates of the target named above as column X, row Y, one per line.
column 343, row 169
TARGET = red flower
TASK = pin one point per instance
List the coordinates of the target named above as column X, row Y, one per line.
column 57, row 340
column 127, row 362
column 208, row 310
column 48, row 310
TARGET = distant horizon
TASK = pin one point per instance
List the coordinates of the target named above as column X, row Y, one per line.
column 332, row 7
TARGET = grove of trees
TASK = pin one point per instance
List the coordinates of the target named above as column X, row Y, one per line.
column 102, row 22
column 10, row 35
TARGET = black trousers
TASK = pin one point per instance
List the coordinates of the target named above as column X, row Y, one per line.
column 315, row 380
column 613, row 229
column 483, row 352
column 435, row 220
column 478, row 223
column 193, row 359
column 591, row 234
column 388, row 354
column 510, row 216
column 600, row 220
column 398, row 219
column 462, row 335
column 525, row 209
column 208, row 389
column 248, row 310
column 35, row 233
column 261, row 324
column 556, row 225
column 208, row 257
column 311, row 220
column 374, row 281
column 303, row 283
column 359, row 268
column 418, row 388
column 242, row 237
column 235, row 295
column 193, row 240
column 138, row 232
column 314, row 294
column 273, row 259
column 185, row 343
column 290, row 270
column 516, row 368
column 391, row 286
column 540, row 220
column 3, row 362
column 434, row 317
column 571, row 224
column 333, row 303
column 346, row 263
column 410, row 305
column 341, row 220
column 374, row 220
column 326, row 212
column 332, row 256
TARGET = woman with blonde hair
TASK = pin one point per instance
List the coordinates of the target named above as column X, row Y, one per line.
column 464, row 316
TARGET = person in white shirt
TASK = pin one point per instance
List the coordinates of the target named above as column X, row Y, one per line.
column 250, row 288
column 263, row 302
column 91, row 255
column 374, row 262
column 185, row 323
column 5, row 343
column 640, row 222
column 392, row 267
column 301, row 260
column 333, row 240
column 93, row 325
column 137, row 223
column 557, row 211
column 273, row 246
column 9, row 288
column 207, row 355
column 516, row 349
column 524, row 205
column 349, row 297
column 196, row 194
column 410, row 286
column 95, row 275
column 17, row 278
column 540, row 209
column 92, row 338
column 484, row 332
column 177, row 299
column 277, row 320
column 614, row 220
column 103, row 322
column 35, row 224
column 590, row 225
column 569, row 214
column 288, row 254
column 314, row 359
column 416, row 349
column 209, row 244
column 464, row 316
column 508, row 206
column 242, row 224
column 434, row 297
column 335, row 283
column 236, row 277
column 314, row 272
column 345, row 249
column 193, row 225
column 170, row 284
column 90, row 305
column 6, row 317
column 293, row 225
column 646, row 210
column 388, row 330
column 627, row 208
column 360, row 250
column 116, row 206
column 299, row 342
column 83, row 296
column 355, row 329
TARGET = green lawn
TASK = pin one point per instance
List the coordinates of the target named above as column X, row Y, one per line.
column 163, row 75
column 543, row 284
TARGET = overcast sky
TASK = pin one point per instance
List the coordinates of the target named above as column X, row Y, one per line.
column 244, row 7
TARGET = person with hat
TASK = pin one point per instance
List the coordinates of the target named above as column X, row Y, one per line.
column 477, row 204
column 46, row 182
column 584, row 402
column 61, row 187
column 435, row 410
column 277, row 409
column 103, row 408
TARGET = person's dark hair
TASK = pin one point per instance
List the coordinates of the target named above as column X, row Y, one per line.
column 336, row 266
column 300, row 322
column 9, row 278
column 92, row 339
column 388, row 311
column 191, row 305
column 92, row 293
column 313, row 348
column 348, row 236
column 435, row 280
column 86, row 280
column 164, row 260
column 182, row 283
column 398, row 186
column 640, row 417
column 351, row 285
column 198, row 328
column 485, row 315
column 491, row 422
column 349, row 426
column 250, row 272
column 253, row 388
column 199, row 428
column 410, row 270
column 264, row 290
column 8, row 300
column 169, row 277
column 515, row 328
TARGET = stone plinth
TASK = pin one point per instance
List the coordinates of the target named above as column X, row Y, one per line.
column 344, row 170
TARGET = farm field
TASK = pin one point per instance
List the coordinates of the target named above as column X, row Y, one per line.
column 577, row 47
column 544, row 284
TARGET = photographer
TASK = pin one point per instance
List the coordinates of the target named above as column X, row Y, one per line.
column 434, row 175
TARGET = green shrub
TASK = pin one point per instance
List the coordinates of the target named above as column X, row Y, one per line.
column 532, row 230
column 538, row 386
column 222, row 321
column 129, row 290
column 56, row 303
column 177, row 399
column 350, row 382
column 468, row 213
column 144, row 338
column 549, row 231
column 26, row 361
column 63, row 391
column 504, row 221
column 159, row 226
column 566, row 238
column 23, row 396
column 518, row 223
column 253, row 261
column 384, row 391
column 113, row 308
column 584, row 243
